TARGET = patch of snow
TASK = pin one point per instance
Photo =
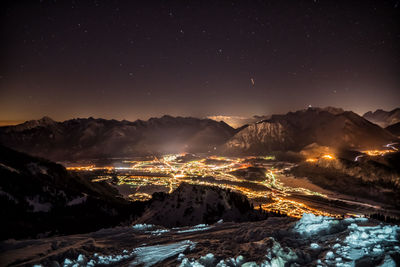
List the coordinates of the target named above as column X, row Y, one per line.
column 361, row 242
column 148, row 256
column 81, row 259
column 35, row 168
column 144, row 256
column 250, row 264
column 204, row 261
column 238, row 261
column 329, row 255
column 142, row 227
column 158, row 231
column 388, row 262
column 37, row 206
column 310, row 225
column 279, row 256
column 77, row 201
column 181, row 256
column 11, row 169
column 199, row 227
column 368, row 241
column 275, row 256
column 9, row 196
column 67, row 262
column 353, row 220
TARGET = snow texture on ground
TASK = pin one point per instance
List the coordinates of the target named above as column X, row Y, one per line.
column 144, row 256
column 310, row 241
column 275, row 256
column 142, row 227
column 199, row 227
column 38, row 205
column 361, row 243
column 77, row 200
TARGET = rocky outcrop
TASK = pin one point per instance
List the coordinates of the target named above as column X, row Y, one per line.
column 263, row 136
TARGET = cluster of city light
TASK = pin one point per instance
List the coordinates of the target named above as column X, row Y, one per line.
column 293, row 208
column 323, row 157
column 388, row 148
column 168, row 172
column 140, row 196
column 377, row 152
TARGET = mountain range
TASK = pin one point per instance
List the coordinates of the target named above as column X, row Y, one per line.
column 383, row 118
column 324, row 126
column 99, row 138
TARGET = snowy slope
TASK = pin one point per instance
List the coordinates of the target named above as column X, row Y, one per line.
column 195, row 204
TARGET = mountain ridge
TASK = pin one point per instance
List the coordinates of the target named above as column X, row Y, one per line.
column 93, row 138
column 85, row 138
column 383, row 118
column 295, row 130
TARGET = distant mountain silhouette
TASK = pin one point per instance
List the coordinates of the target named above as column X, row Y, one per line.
column 293, row 131
column 94, row 138
column 383, row 118
column 100, row 138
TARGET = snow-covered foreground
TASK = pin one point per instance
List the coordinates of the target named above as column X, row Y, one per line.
column 310, row 241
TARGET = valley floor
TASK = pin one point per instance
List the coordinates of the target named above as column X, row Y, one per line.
column 263, row 180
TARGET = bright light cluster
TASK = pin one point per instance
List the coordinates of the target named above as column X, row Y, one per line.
column 324, row 157
column 171, row 170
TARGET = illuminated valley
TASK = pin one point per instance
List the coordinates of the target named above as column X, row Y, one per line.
column 259, row 178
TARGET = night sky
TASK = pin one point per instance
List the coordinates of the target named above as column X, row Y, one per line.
column 131, row 60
